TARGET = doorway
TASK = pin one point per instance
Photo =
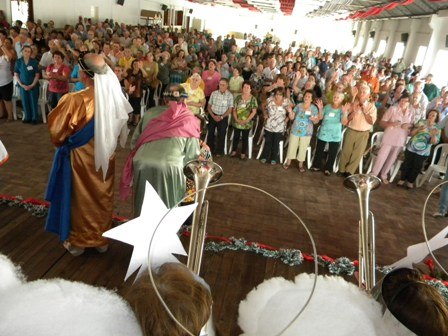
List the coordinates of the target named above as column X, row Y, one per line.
column 22, row 10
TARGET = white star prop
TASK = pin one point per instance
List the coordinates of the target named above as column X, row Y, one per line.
column 139, row 231
column 418, row 252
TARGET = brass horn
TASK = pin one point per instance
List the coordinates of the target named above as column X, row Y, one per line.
column 363, row 184
column 203, row 173
column 203, row 118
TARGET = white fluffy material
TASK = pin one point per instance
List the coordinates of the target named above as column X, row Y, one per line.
column 58, row 307
column 337, row 308
column 10, row 275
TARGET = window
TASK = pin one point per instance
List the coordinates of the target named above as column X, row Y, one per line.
column 439, row 68
column 358, row 47
column 398, row 52
column 420, row 55
column 381, row 48
column 369, row 46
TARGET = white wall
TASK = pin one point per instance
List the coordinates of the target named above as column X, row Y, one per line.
column 67, row 11
column 219, row 20
column 63, row 12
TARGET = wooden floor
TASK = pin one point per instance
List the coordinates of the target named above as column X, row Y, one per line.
column 330, row 212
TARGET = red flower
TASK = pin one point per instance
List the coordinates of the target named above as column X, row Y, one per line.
column 430, row 263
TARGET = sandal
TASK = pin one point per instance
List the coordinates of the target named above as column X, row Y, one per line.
column 285, row 166
column 400, row 183
column 302, row 169
column 243, row 157
column 233, row 154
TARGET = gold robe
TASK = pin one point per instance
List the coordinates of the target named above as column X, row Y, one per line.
column 92, row 198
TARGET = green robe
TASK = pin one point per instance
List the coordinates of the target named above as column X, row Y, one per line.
column 161, row 163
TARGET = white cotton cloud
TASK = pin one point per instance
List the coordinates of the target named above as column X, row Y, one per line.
column 337, row 308
column 58, row 307
column 10, row 274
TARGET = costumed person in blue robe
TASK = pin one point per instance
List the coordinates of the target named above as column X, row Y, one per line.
column 85, row 127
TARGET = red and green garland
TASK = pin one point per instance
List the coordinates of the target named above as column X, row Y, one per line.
column 291, row 257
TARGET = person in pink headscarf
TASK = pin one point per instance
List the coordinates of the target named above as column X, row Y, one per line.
column 163, row 142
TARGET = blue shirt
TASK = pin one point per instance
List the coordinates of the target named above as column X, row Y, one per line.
column 302, row 125
column 331, row 128
column 27, row 72
column 75, row 74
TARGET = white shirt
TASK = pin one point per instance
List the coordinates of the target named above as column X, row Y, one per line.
column 270, row 73
column 46, row 60
column 5, row 71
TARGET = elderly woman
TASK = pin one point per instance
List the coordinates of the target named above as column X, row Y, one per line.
column 164, row 141
column 305, row 116
column 396, row 123
column 333, row 117
column 196, row 97
column 26, row 72
column 257, row 80
column 276, row 116
column 424, row 134
column 244, row 109
column 416, row 107
column 236, row 83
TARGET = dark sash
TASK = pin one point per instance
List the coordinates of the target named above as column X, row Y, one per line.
column 59, row 190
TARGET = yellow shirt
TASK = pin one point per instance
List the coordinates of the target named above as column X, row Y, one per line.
column 125, row 63
column 194, row 96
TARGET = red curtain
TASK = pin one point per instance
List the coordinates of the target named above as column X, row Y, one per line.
column 377, row 10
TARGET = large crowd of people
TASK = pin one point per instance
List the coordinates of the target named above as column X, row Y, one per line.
column 297, row 95
column 338, row 99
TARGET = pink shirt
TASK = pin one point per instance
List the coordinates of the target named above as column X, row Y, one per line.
column 359, row 122
column 211, row 82
column 396, row 136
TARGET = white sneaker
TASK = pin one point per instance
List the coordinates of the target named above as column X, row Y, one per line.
column 438, row 214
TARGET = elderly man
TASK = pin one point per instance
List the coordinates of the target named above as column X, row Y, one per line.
column 219, row 107
column 360, row 120
column 85, row 127
column 430, row 89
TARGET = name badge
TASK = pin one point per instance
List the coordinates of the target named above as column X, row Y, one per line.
column 29, row 68
column 331, row 114
column 243, row 105
column 307, row 113
column 148, row 69
column 209, row 78
column 55, row 70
